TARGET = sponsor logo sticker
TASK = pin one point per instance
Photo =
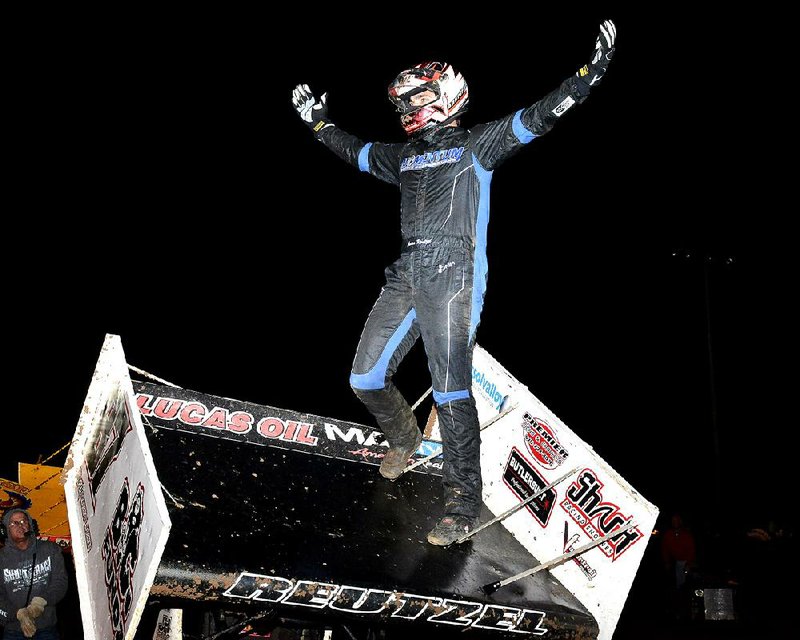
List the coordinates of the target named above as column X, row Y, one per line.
column 585, row 504
column 523, row 480
column 542, row 442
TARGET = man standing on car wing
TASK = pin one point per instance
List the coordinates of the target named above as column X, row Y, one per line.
column 435, row 288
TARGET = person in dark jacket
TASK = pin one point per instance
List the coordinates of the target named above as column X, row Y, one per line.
column 435, row 289
column 33, row 580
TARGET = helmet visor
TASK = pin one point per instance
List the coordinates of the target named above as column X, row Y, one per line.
column 408, row 98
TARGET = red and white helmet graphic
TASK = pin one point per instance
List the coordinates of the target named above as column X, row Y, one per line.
column 428, row 95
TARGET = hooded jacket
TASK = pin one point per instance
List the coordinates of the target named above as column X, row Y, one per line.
column 49, row 578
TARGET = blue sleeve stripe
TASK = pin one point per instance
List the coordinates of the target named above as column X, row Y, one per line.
column 363, row 157
column 523, row 135
column 450, row 396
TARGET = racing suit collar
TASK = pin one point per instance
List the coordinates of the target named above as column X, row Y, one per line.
column 438, row 133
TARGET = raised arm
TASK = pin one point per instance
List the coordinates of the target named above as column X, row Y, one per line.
column 541, row 116
column 376, row 158
column 499, row 140
column 315, row 114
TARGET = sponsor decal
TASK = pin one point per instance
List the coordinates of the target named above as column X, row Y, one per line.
column 488, row 389
column 266, row 426
column 355, row 434
column 428, row 448
column 597, row 517
column 87, row 531
column 115, row 423
column 365, row 602
column 120, row 554
column 570, row 543
column 523, row 480
column 457, row 98
column 562, row 106
column 197, row 414
column 425, row 449
column 542, row 442
column 200, row 417
column 432, row 159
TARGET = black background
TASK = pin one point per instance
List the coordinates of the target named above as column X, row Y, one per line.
column 167, row 192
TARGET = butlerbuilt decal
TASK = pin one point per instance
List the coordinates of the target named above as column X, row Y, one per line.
column 523, row 480
column 366, row 602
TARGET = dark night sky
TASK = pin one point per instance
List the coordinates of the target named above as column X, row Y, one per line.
column 172, row 196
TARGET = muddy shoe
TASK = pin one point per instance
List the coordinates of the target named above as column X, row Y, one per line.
column 396, row 458
column 450, row 528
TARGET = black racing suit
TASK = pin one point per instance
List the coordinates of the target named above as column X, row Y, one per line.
column 435, row 288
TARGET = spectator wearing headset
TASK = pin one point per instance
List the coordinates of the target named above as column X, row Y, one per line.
column 33, row 580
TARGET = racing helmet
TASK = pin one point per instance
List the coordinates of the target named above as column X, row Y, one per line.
column 448, row 99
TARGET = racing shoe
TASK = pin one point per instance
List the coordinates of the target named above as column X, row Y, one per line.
column 396, row 458
column 450, row 528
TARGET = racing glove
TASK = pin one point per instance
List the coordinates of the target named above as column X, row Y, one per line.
column 313, row 112
column 593, row 72
column 36, row 607
column 26, row 623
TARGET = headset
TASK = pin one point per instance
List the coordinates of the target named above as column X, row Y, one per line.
column 33, row 531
